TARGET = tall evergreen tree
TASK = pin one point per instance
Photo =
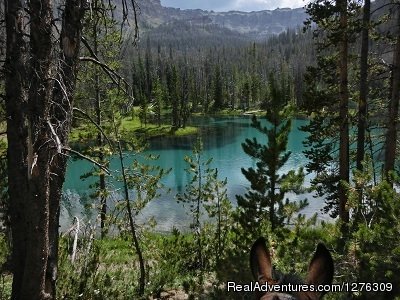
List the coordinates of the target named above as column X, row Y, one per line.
column 391, row 134
column 264, row 202
column 344, row 140
column 96, row 93
column 328, row 97
column 148, row 82
column 184, row 105
column 245, row 99
column 157, row 100
column 362, row 103
column 172, row 83
column 218, row 94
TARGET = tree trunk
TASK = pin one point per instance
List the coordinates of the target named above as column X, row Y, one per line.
column 39, row 117
column 343, row 113
column 362, row 104
column 391, row 134
column 142, row 277
column 17, row 134
column 100, row 140
column 29, row 153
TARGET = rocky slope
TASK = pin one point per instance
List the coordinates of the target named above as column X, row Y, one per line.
column 255, row 25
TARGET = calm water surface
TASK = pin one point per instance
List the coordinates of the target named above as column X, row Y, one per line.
column 222, row 138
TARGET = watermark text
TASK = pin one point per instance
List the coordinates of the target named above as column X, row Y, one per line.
column 304, row 288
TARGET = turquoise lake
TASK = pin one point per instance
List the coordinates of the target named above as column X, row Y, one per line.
column 222, row 138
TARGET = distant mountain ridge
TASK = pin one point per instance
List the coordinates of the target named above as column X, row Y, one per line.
column 255, row 25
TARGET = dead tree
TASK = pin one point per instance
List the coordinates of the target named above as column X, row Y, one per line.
column 40, row 74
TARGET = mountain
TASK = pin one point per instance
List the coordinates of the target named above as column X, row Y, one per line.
column 254, row 25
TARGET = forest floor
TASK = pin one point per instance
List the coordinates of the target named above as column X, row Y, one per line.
column 108, row 269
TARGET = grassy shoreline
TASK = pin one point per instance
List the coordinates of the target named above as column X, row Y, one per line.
column 150, row 130
column 240, row 112
column 132, row 126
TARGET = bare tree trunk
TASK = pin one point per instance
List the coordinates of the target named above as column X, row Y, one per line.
column 27, row 110
column 343, row 113
column 362, row 112
column 362, row 104
column 219, row 221
column 100, row 140
column 17, row 134
column 391, row 134
column 39, row 86
column 38, row 123
column 198, row 212
column 61, row 114
column 142, row 277
column 58, row 167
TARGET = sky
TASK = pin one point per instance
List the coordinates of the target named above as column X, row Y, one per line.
column 241, row 5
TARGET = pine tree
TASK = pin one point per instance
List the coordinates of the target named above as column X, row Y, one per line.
column 328, row 97
column 264, row 202
column 392, row 125
column 157, row 100
column 218, row 94
column 102, row 35
column 245, row 99
column 184, row 105
column 198, row 192
column 172, row 83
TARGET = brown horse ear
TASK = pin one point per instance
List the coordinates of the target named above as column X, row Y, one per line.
column 320, row 271
column 260, row 262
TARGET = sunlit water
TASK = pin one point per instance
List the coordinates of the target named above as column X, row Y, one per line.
column 222, row 138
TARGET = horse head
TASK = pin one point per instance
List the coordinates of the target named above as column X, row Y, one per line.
column 320, row 274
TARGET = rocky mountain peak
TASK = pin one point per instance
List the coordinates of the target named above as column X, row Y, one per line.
column 256, row 24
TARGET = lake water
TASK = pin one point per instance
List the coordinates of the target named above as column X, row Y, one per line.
column 222, row 138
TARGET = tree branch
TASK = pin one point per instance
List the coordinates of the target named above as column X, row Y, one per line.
column 382, row 6
column 57, row 139
column 136, row 36
column 95, row 124
column 75, row 243
column 61, row 86
column 125, row 13
column 114, row 76
column 142, row 279
column 110, row 72
column 105, row 169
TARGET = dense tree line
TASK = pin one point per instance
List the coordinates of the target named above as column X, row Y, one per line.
column 346, row 68
column 352, row 94
column 233, row 74
column 350, row 89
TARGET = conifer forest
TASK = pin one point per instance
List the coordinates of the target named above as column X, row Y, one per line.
column 151, row 152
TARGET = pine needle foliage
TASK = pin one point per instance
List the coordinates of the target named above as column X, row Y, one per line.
column 264, row 204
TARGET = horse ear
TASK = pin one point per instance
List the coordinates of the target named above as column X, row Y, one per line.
column 260, row 262
column 320, row 271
